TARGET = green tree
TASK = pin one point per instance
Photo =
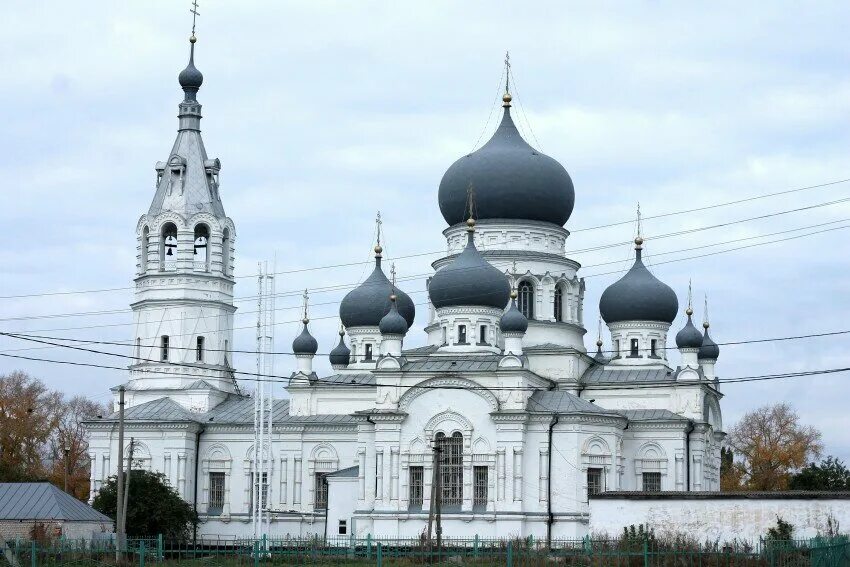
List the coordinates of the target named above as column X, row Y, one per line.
column 830, row 474
column 153, row 507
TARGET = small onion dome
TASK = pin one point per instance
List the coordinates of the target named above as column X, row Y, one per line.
column 393, row 323
column 305, row 343
column 341, row 354
column 469, row 280
column 366, row 305
column 638, row 296
column 513, row 321
column 689, row 336
column 599, row 356
column 512, row 180
column 190, row 78
column 708, row 349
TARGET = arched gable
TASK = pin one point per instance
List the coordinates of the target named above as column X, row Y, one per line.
column 596, row 445
column 454, row 381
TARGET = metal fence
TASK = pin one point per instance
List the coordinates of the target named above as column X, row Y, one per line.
column 625, row 552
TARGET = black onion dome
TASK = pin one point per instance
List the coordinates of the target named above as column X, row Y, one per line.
column 511, row 180
column 469, row 280
column 190, row 78
column 305, row 343
column 708, row 349
column 689, row 336
column 393, row 323
column 365, row 305
column 341, row 354
column 513, row 321
column 638, row 296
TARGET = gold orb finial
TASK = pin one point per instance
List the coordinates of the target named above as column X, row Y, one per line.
column 192, row 38
column 470, row 224
column 689, row 311
column 513, row 294
column 393, row 297
column 342, row 332
column 705, row 325
column 378, row 249
column 506, row 100
column 639, row 242
column 305, row 320
column 599, row 343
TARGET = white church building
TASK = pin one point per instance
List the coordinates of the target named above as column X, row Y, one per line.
column 526, row 421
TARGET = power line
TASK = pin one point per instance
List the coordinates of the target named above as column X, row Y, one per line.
column 584, row 229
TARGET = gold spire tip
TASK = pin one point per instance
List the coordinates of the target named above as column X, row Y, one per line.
column 689, row 311
column 513, row 294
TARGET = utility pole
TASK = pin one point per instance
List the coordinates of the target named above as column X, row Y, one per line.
column 127, row 488
column 439, row 507
column 119, row 529
column 67, row 450
column 436, row 493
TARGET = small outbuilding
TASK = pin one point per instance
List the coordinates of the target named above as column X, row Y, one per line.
column 39, row 509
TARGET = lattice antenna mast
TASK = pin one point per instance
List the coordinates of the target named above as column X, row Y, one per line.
column 258, row 407
column 269, row 398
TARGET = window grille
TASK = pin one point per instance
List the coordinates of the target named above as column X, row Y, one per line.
column 343, row 527
column 164, row 348
column 559, row 304
column 216, row 492
column 199, row 349
column 634, row 347
column 264, row 489
column 321, row 492
column 652, row 482
column 526, row 299
column 461, row 334
column 479, row 493
column 594, row 481
column 451, row 468
column 417, row 487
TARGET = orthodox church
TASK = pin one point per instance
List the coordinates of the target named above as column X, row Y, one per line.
column 505, row 401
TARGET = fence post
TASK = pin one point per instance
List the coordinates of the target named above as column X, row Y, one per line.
column 475, row 546
column 379, row 556
column 645, row 551
column 142, row 553
column 33, row 558
column 368, row 546
column 159, row 550
column 510, row 557
column 256, row 553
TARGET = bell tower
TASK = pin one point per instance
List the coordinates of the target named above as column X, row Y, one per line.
column 183, row 305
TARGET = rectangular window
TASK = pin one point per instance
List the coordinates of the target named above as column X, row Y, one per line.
column 451, row 469
column 461, row 334
column 416, row 487
column 264, row 490
column 343, row 527
column 199, row 349
column 634, row 348
column 367, row 349
column 445, row 335
column 216, row 493
column 617, row 348
column 164, row 348
column 479, row 492
column 594, row 481
column 652, row 482
column 482, row 335
column 653, row 347
column 321, row 492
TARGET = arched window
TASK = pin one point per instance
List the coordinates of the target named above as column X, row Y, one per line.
column 168, row 247
column 144, row 245
column 526, row 299
column 225, row 252
column 559, row 304
column 202, row 236
column 451, row 468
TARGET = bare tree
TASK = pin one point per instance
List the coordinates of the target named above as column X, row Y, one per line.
column 69, row 446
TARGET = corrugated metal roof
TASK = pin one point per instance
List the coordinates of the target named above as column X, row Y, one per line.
column 467, row 364
column 651, row 415
column 162, row 409
column 352, row 378
column 613, row 375
column 427, row 349
column 43, row 501
column 561, row 401
column 350, row 472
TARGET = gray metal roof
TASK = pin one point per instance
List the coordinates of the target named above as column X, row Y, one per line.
column 469, row 280
column 561, row 401
column 447, row 364
column 427, row 349
column 613, row 375
column 43, row 501
column 352, row 378
column 651, row 415
column 638, row 296
column 162, row 409
column 350, row 472
column 366, row 305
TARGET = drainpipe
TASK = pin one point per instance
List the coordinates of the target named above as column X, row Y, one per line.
column 688, row 432
column 195, row 498
column 550, row 516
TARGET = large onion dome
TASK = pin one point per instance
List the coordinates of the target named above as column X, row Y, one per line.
column 638, row 296
column 305, row 343
column 365, row 305
column 469, row 280
column 708, row 349
column 513, row 321
column 393, row 323
column 191, row 78
column 511, row 180
column 341, row 354
column 689, row 336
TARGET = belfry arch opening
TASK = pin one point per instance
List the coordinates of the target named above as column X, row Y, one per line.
column 168, row 247
column 201, row 252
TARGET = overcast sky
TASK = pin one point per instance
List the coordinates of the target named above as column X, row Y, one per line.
column 322, row 113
